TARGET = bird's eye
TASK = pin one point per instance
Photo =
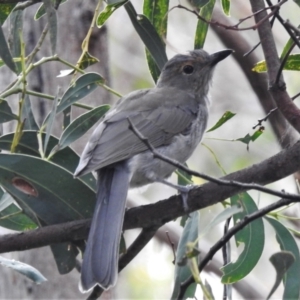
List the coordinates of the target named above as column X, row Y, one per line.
column 188, row 69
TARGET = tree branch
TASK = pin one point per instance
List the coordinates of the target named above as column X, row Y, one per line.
column 276, row 167
column 277, row 89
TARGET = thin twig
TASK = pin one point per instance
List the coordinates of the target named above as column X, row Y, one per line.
column 231, row 232
column 178, row 165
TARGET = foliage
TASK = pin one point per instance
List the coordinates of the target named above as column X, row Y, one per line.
column 36, row 168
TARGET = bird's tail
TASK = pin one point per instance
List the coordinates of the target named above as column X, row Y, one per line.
column 100, row 260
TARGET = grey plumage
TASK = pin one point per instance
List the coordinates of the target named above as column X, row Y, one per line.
column 173, row 117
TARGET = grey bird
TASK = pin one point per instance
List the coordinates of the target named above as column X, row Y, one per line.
column 173, row 117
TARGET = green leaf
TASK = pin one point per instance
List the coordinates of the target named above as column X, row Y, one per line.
column 49, row 121
column 81, row 125
column 83, row 86
column 108, row 11
column 52, row 21
column 65, row 158
column 251, row 138
column 226, row 7
column 252, row 237
column 67, row 117
column 24, row 269
column 5, row 112
column 46, row 189
column 199, row 3
column 157, row 13
column 281, row 261
column 5, row 52
column 27, row 115
column 13, row 218
column 226, row 116
column 148, row 35
column 202, row 27
column 292, row 64
column 16, row 25
column 41, row 10
column 65, row 257
column 287, row 243
column 182, row 270
column 87, row 61
column 287, row 48
column 5, row 10
column 221, row 217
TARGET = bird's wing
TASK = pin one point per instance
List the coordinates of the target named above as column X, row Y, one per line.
column 157, row 120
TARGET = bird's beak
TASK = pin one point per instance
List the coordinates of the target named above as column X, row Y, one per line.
column 218, row 56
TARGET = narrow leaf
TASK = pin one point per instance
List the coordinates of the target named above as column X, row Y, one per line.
column 287, row 243
column 5, row 52
column 65, row 257
column 13, row 218
column 224, row 215
column 226, row 116
column 27, row 115
column 49, row 122
column 292, row 64
column 5, row 112
column 182, row 269
column 108, row 11
column 251, row 138
column 81, row 125
column 41, row 10
column 226, row 7
column 202, row 27
column 157, row 13
column 252, row 237
column 83, row 86
column 24, row 269
column 148, row 35
column 67, row 117
column 16, row 25
column 281, row 261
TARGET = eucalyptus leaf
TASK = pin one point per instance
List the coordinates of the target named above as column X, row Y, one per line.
column 5, row 52
column 157, row 13
column 108, row 11
column 226, row 7
column 252, row 237
column 281, row 261
column 182, row 270
column 16, row 25
column 83, row 86
column 42, row 11
column 202, row 27
column 81, row 125
column 24, row 269
column 5, row 112
column 148, row 35
column 49, row 122
column 288, row 243
column 225, row 117
column 46, row 189
column 12, row 217
column 27, row 115
column 65, row 158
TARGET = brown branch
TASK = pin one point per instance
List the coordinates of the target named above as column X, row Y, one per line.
column 277, row 167
column 277, row 89
column 235, row 27
column 258, row 81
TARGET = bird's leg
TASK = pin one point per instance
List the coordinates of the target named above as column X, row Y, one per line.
column 183, row 189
